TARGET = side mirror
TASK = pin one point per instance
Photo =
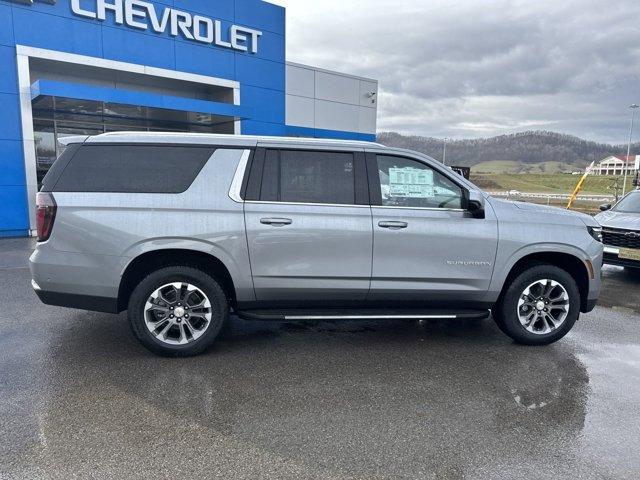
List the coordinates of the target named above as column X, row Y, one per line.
column 475, row 204
column 605, row 207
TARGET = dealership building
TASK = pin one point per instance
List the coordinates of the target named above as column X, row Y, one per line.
column 85, row 67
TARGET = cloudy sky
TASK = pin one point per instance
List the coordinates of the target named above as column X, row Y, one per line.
column 476, row 68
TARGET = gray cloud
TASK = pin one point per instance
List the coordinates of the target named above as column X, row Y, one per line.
column 476, row 68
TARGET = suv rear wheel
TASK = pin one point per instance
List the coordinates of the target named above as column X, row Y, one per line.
column 177, row 311
column 540, row 306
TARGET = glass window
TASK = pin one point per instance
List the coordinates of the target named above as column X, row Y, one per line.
column 133, row 168
column 313, row 177
column 409, row 183
column 629, row 204
column 45, row 141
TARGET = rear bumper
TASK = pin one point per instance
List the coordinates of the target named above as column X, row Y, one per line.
column 81, row 302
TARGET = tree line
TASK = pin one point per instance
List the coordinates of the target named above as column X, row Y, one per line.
column 526, row 147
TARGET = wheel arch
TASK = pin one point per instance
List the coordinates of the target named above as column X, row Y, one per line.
column 569, row 262
column 147, row 262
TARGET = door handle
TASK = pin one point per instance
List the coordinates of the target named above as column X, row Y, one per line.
column 393, row 225
column 276, row 222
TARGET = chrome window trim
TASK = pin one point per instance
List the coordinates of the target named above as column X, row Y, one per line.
column 430, row 209
column 262, row 202
column 238, row 177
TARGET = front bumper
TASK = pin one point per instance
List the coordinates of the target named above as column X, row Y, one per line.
column 611, row 258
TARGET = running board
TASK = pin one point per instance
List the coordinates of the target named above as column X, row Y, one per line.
column 297, row 315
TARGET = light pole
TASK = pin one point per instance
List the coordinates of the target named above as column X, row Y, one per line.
column 633, row 108
column 444, row 152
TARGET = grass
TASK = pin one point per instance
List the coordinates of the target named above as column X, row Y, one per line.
column 545, row 183
column 511, row 166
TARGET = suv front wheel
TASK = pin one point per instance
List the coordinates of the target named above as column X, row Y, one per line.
column 540, row 306
column 178, row 311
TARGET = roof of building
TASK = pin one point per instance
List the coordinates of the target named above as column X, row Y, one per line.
column 617, row 159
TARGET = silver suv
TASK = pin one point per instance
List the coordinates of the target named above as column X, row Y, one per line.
column 182, row 229
column 621, row 232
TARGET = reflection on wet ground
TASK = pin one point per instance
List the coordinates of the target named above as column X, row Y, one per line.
column 79, row 398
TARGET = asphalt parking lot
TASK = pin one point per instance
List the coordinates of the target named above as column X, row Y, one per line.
column 79, row 398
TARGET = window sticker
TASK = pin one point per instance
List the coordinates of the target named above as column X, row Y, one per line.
column 409, row 182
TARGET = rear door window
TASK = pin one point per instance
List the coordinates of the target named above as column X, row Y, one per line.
column 300, row 176
column 133, row 168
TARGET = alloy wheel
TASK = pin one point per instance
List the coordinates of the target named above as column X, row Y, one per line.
column 543, row 306
column 177, row 313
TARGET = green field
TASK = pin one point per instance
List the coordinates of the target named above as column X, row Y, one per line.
column 510, row 166
column 545, row 183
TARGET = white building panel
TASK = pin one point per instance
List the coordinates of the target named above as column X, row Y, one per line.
column 300, row 81
column 327, row 100
column 337, row 88
column 337, row 116
column 300, row 111
column 367, row 120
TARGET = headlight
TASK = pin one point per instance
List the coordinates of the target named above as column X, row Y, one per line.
column 596, row 233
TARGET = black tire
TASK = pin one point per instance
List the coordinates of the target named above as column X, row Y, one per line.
column 208, row 285
column 505, row 312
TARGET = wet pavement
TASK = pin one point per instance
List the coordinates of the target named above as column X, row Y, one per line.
column 79, row 398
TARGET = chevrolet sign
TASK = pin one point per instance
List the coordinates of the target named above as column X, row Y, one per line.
column 143, row 16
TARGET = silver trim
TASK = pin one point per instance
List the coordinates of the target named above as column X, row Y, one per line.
column 238, row 177
column 390, row 207
column 615, row 251
column 260, row 202
column 35, row 285
column 459, row 210
column 366, row 317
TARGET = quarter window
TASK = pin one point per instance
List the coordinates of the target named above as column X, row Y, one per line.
column 133, row 169
column 409, row 183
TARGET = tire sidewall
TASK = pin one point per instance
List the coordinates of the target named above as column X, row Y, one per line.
column 507, row 317
column 142, row 292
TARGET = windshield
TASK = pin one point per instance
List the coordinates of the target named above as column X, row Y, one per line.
column 629, row 204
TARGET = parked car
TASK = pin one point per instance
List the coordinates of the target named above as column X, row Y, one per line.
column 182, row 229
column 621, row 231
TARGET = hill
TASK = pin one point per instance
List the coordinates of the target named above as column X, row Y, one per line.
column 527, row 152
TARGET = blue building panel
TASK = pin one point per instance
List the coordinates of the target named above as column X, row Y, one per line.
column 261, row 15
column 11, row 163
column 9, row 76
column 14, row 214
column 204, row 60
column 260, row 73
column 10, row 117
column 268, row 105
column 124, row 45
column 253, row 127
column 6, row 20
column 53, row 32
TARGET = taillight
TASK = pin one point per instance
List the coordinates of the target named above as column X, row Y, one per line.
column 45, row 215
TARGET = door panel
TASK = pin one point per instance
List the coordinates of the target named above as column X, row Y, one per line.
column 439, row 255
column 309, row 252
